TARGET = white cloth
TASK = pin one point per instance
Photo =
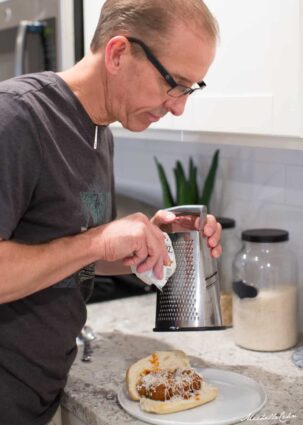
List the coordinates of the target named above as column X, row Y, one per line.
column 149, row 278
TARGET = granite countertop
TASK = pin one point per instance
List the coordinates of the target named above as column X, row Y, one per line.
column 124, row 334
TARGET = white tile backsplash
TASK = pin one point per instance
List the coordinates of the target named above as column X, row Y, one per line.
column 294, row 180
column 259, row 187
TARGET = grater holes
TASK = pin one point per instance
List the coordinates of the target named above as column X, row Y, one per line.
column 177, row 301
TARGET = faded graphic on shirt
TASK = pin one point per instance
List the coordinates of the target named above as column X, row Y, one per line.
column 96, row 208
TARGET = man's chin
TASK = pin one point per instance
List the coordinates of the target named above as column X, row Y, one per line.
column 136, row 127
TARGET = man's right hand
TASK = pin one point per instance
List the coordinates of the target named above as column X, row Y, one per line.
column 136, row 241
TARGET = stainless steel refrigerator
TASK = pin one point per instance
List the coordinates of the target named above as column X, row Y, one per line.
column 38, row 35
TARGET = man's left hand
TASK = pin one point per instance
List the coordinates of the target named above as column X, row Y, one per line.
column 212, row 229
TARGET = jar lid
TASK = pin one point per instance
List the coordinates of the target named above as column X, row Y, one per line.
column 226, row 223
column 265, row 235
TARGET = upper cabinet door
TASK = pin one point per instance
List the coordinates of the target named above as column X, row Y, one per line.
column 254, row 85
column 91, row 12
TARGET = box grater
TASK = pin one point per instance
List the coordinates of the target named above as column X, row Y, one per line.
column 190, row 299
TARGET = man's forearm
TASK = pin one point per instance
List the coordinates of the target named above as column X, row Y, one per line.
column 25, row 269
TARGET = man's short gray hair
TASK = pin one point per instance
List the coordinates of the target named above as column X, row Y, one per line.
column 152, row 20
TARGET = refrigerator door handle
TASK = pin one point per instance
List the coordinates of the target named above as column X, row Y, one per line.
column 20, row 46
column 23, row 28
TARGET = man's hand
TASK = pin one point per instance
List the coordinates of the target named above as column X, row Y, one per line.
column 134, row 240
column 212, row 229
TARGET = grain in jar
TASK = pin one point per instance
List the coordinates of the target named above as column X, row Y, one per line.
column 265, row 301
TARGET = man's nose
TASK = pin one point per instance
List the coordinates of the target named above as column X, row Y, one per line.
column 176, row 105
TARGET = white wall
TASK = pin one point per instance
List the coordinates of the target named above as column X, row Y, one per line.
column 91, row 11
column 258, row 187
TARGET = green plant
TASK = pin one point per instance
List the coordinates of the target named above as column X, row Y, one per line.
column 187, row 190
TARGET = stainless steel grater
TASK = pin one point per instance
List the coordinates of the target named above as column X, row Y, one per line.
column 190, row 299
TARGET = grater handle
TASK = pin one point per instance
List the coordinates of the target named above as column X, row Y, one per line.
column 198, row 210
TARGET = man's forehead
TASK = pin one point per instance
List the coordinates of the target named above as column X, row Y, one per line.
column 187, row 72
column 190, row 61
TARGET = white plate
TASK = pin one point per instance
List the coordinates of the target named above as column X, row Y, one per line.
column 239, row 397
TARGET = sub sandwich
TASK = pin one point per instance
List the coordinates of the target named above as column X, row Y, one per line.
column 164, row 382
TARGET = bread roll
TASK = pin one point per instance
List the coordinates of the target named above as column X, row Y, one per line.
column 158, row 360
column 162, row 361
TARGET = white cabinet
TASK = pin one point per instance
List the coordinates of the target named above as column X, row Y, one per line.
column 91, row 14
column 255, row 84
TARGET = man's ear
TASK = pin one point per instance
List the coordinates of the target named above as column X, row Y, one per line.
column 115, row 51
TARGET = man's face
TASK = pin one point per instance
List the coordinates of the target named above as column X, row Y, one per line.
column 142, row 97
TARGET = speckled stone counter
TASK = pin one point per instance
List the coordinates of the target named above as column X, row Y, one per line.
column 124, row 331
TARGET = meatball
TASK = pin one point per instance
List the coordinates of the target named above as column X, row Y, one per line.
column 161, row 392
column 162, row 385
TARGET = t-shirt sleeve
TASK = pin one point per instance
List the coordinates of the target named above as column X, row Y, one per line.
column 20, row 161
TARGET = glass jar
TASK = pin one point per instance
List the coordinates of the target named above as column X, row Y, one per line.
column 230, row 246
column 265, row 301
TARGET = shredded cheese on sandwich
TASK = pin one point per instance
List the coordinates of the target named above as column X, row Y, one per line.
column 165, row 384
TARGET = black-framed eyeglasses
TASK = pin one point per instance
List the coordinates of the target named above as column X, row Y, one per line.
column 176, row 90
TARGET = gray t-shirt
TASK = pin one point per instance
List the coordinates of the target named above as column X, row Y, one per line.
column 53, row 183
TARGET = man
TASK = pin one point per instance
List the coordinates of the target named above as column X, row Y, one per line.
column 56, row 186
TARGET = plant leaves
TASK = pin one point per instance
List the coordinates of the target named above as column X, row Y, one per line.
column 210, row 180
column 193, row 184
column 168, row 200
column 187, row 191
column 178, row 184
column 181, row 184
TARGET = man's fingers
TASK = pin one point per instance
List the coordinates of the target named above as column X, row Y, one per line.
column 137, row 258
column 157, row 254
column 149, row 264
column 217, row 251
column 213, row 242
column 162, row 217
column 212, row 227
column 158, row 269
column 161, row 237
